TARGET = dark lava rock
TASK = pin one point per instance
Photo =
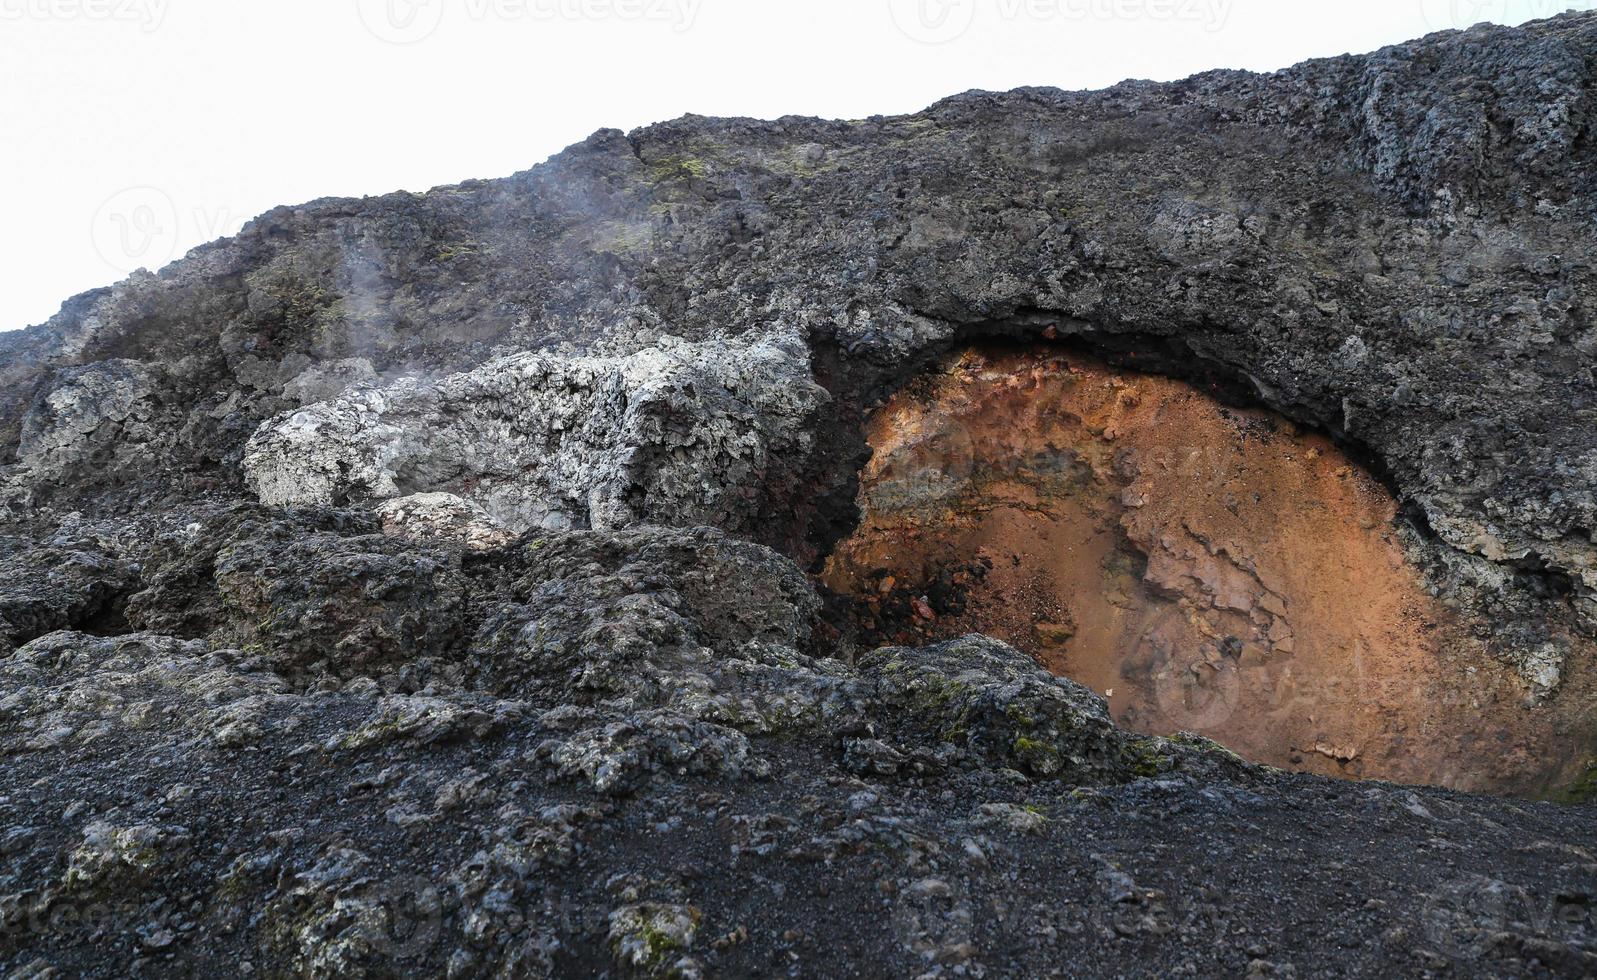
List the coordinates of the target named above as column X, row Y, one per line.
column 578, row 714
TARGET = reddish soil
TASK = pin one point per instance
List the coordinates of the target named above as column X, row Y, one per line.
column 1207, row 569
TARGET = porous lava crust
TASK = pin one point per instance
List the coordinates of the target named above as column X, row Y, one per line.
column 427, row 584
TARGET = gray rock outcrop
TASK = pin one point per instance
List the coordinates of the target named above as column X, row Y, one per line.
column 421, row 585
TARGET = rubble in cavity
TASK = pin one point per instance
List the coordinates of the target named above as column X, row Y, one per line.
column 1205, row 568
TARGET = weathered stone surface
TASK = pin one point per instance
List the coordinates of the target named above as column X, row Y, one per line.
column 64, row 583
column 671, row 434
column 339, row 728
column 442, row 517
column 312, row 590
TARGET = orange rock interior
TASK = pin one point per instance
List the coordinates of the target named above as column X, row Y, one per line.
column 1208, row 569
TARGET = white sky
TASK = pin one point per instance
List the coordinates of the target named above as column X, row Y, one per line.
column 136, row 129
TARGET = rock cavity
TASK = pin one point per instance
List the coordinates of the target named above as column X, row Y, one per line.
column 1207, row 569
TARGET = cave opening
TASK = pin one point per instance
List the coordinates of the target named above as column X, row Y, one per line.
column 1205, row 566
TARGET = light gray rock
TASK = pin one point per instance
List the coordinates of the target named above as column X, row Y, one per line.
column 442, row 517
column 667, row 435
column 100, row 407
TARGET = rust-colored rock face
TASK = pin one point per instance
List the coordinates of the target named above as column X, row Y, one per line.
column 1207, row 569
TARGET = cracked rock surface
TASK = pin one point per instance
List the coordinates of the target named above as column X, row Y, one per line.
column 667, row 435
column 425, row 584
